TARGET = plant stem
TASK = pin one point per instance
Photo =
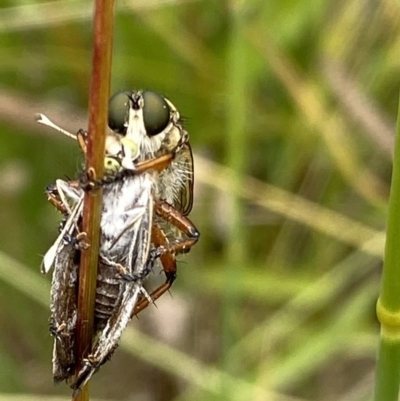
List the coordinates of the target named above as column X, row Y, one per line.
column 388, row 308
column 98, row 107
column 236, row 140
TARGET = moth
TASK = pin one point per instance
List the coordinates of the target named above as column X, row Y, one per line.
column 147, row 195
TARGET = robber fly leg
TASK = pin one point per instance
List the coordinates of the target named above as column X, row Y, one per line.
column 166, row 250
column 168, row 261
column 54, row 199
column 78, row 241
column 159, row 163
column 81, row 137
column 88, row 180
column 181, row 222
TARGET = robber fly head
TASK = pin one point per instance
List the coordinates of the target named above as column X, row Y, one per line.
column 148, row 120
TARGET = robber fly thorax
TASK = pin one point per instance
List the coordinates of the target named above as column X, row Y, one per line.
column 147, row 190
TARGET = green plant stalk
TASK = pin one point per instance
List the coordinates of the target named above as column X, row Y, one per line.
column 388, row 307
column 98, row 106
column 237, row 77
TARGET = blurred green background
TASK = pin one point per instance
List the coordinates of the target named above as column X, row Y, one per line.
column 291, row 108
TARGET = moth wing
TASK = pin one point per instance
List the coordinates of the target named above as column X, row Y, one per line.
column 63, row 306
column 136, row 264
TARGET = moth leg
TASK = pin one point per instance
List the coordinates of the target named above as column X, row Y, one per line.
column 54, row 199
column 123, row 273
column 58, row 195
column 68, row 194
column 63, row 195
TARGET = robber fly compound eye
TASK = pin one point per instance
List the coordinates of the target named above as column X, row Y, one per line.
column 118, row 111
column 156, row 113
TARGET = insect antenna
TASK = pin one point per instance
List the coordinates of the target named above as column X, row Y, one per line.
column 42, row 119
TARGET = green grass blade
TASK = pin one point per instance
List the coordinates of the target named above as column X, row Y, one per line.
column 388, row 309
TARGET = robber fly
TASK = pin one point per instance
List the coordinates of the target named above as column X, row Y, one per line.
column 147, row 191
